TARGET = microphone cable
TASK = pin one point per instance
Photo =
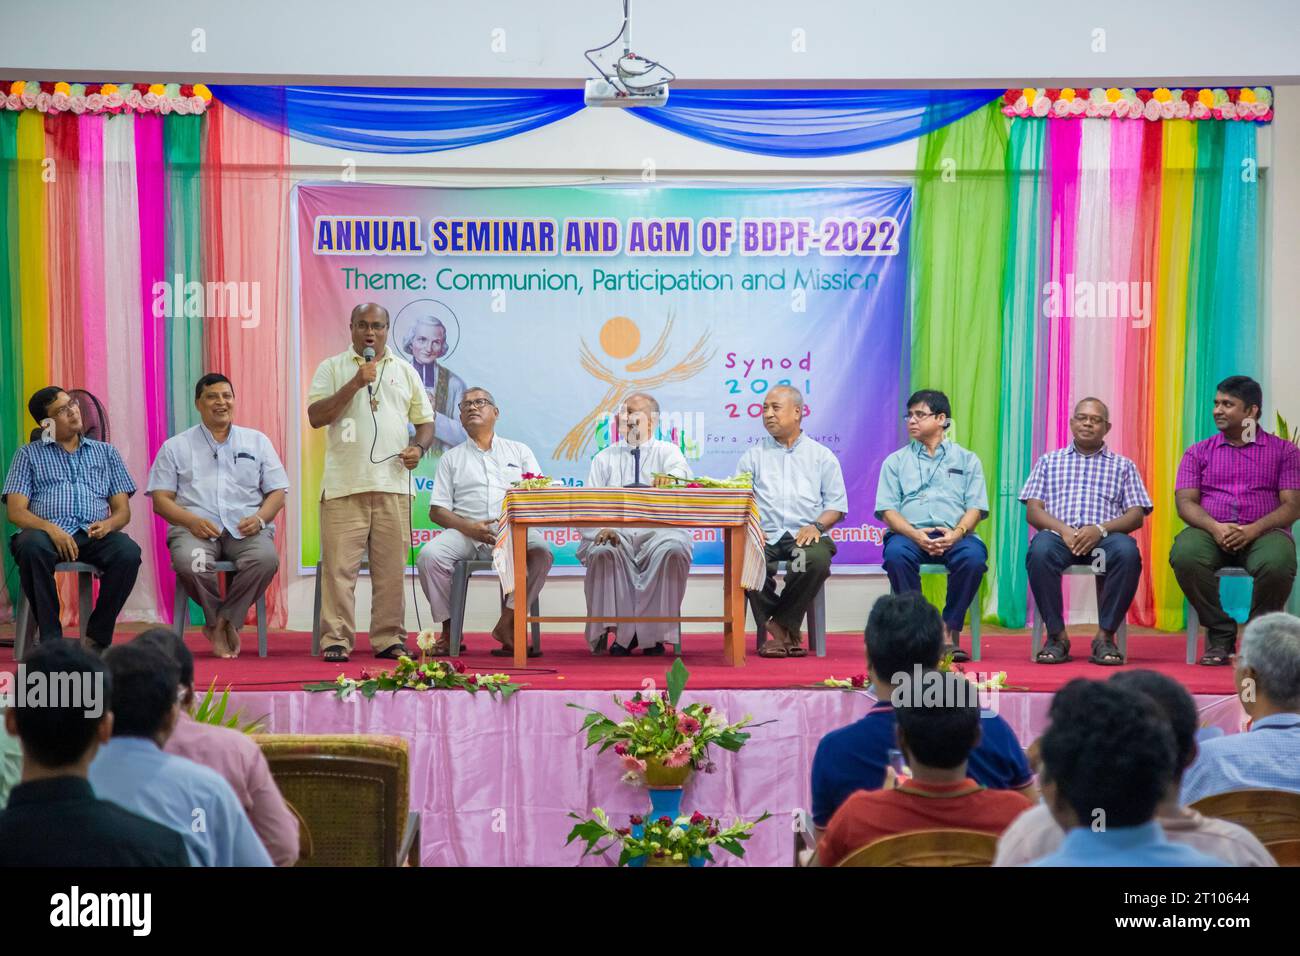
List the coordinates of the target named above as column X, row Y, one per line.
column 410, row 517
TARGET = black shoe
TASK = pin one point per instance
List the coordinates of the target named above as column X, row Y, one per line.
column 618, row 650
column 393, row 652
column 654, row 650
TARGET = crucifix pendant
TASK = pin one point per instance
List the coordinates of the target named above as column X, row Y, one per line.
column 374, row 404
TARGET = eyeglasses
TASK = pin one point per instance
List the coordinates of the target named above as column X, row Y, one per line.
column 370, row 326
column 1090, row 419
column 470, row 404
column 917, row 416
column 63, row 411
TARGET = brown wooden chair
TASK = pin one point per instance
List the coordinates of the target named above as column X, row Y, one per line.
column 304, row 835
column 928, row 848
column 1272, row 815
column 1285, row 852
column 351, row 792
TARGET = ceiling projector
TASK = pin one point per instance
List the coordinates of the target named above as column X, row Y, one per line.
column 626, row 79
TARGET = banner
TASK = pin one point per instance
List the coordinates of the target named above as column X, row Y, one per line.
column 562, row 301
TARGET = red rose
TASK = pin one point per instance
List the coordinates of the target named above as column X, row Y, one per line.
column 1190, row 96
column 697, row 818
column 472, row 679
column 141, row 88
column 1010, row 97
column 458, row 666
column 187, row 90
column 620, row 748
column 712, row 831
column 666, row 821
column 1144, row 95
column 707, row 709
column 636, row 820
column 623, row 831
column 858, row 680
column 1052, row 93
column 92, row 88
column 1234, row 93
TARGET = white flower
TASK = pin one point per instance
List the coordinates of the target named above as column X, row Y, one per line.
column 676, row 833
column 716, row 719
column 426, row 639
column 632, row 778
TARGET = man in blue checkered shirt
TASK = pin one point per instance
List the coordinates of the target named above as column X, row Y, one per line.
column 1085, row 501
column 68, row 496
column 1267, row 756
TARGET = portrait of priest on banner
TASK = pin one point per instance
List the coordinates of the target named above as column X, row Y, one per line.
column 425, row 332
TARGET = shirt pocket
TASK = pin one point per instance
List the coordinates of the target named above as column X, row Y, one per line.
column 97, row 482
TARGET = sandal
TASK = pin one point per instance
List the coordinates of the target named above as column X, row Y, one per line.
column 393, row 652
column 773, row 649
column 510, row 652
column 1105, row 652
column 796, row 650
column 1055, row 651
column 443, row 649
column 335, row 654
column 958, row 655
column 1216, row 656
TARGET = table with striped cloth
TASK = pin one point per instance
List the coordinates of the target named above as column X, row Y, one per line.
column 633, row 507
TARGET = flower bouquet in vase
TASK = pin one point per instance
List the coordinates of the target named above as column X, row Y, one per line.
column 662, row 840
column 659, row 742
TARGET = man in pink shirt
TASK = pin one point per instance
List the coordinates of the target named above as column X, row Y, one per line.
column 232, row 754
column 1239, row 493
column 1034, row 834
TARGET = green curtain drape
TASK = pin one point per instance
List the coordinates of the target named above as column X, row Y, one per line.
column 182, row 153
column 13, row 429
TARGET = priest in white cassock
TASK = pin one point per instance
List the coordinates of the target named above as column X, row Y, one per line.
column 635, row 572
column 468, row 492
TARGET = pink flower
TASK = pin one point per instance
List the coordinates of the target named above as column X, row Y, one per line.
column 686, row 724
column 198, row 105
column 43, row 102
column 632, row 763
column 181, row 106
column 60, row 101
column 95, row 102
column 13, row 102
column 149, row 101
column 77, row 104
column 636, row 707
column 679, row 756
column 134, row 99
column 114, row 100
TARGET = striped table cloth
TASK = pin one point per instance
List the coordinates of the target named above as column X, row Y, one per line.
column 670, row 507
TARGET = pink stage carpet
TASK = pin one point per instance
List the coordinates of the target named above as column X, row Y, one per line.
column 495, row 782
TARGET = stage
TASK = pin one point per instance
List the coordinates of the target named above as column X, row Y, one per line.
column 495, row 781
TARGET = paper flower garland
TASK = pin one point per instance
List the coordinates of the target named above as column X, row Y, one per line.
column 81, row 98
column 1234, row 103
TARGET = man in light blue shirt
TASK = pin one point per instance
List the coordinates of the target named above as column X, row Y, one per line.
column 799, row 490
column 1109, row 757
column 931, row 494
column 220, row 487
column 1266, row 757
column 132, row 770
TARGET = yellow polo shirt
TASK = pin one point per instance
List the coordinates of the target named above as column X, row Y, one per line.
column 402, row 400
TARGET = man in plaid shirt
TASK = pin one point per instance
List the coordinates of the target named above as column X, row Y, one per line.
column 68, row 496
column 1239, row 493
column 1085, row 501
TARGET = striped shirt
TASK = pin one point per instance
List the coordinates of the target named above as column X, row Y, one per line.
column 69, row 489
column 1082, row 490
column 1267, row 757
column 1240, row 484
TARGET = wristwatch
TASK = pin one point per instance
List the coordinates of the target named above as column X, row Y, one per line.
column 819, row 526
column 261, row 522
column 1102, row 529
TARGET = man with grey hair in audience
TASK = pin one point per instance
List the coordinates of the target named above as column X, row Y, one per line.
column 1267, row 755
column 635, row 572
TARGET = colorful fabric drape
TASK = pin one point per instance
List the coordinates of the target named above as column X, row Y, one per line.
column 99, row 214
column 1129, row 271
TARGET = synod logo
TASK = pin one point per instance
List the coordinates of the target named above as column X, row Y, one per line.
column 74, row 908
column 620, row 338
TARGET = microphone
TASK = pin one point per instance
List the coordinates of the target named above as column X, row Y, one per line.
column 636, row 462
column 369, row 356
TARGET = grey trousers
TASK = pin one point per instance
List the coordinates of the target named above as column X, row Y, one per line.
column 255, row 560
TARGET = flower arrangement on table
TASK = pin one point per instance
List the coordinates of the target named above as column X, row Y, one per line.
column 663, row 841
column 531, row 481
column 856, row 682
column 996, row 682
column 742, row 480
column 423, row 674
column 660, row 742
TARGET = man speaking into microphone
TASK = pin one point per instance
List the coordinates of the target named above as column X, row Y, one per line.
column 366, row 399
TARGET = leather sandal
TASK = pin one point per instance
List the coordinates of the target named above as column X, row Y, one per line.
column 773, row 649
column 1105, row 652
column 1055, row 651
column 335, row 654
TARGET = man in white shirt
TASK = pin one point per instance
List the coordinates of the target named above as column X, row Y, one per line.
column 367, row 398
column 635, row 572
column 220, row 486
column 799, row 489
column 468, row 492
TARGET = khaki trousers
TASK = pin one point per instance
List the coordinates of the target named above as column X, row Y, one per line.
column 374, row 523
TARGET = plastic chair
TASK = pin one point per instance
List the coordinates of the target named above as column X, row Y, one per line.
column 815, row 616
column 976, row 610
column 315, row 615
column 25, row 621
column 1036, row 641
column 180, row 609
column 1194, row 621
column 928, row 848
column 460, row 576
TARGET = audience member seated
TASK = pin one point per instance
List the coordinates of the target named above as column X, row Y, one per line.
column 53, row 817
column 11, row 759
column 904, row 633
column 1267, row 756
column 132, row 770
column 1109, row 758
column 936, row 738
column 1035, row 834
column 231, row 753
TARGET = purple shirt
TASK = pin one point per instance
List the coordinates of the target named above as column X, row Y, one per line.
column 1240, row 484
column 1079, row 489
